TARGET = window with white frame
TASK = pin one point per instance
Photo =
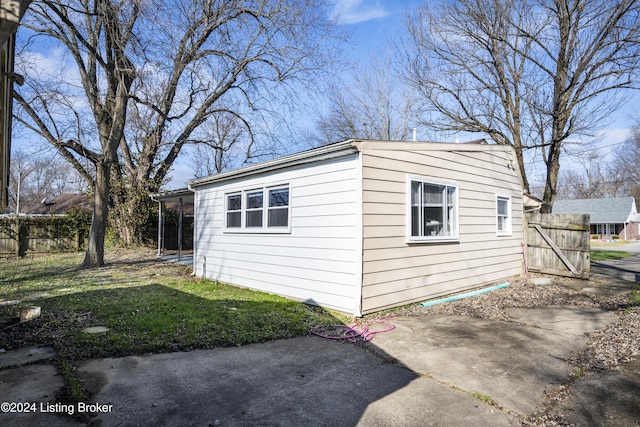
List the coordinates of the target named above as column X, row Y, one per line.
column 503, row 215
column 254, row 211
column 433, row 210
column 234, row 210
column 258, row 210
column 278, row 211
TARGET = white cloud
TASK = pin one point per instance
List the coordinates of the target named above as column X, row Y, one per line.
column 356, row 11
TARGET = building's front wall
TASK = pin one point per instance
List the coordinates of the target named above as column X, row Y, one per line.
column 397, row 271
column 607, row 231
column 316, row 260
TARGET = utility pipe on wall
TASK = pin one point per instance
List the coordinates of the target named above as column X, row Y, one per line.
column 465, row 295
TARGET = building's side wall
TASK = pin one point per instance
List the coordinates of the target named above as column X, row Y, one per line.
column 631, row 231
column 316, row 262
column 396, row 272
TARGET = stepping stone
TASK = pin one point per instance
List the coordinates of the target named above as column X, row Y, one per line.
column 95, row 330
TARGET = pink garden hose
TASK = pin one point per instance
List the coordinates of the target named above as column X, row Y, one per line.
column 351, row 333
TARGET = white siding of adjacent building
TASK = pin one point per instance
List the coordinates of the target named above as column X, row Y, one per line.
column 317, row 262
column 396, row 272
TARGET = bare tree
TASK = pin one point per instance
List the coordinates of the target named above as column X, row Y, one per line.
column 528, row 74
column 230, row 144
column 469, row 76
column 40, row 175
column 151, row 74
column 21, row 169
column 371, row 103
column 587, row 181
column 98, row 36
column 624, row 171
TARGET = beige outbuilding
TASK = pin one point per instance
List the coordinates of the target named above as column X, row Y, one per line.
column 361, row 226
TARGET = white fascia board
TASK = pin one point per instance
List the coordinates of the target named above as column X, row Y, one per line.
column 310, row 156
column 173, row 195
column 428, row 146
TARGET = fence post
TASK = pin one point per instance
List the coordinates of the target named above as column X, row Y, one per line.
column 17, row 235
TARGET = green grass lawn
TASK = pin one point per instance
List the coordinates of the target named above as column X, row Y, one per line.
column 148, row 305
column 604, row 255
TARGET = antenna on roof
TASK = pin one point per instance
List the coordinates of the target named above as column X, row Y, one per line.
column 414, row 134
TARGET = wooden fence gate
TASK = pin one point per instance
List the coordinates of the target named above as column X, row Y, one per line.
column 558, row 244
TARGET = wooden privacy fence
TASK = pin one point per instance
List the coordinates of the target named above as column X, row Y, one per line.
column 558, row 244
column 40, row 235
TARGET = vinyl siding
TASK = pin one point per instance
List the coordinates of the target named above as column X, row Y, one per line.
column 316, row 262
column 396, row 272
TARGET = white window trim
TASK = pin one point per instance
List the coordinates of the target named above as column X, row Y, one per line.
column 455, row 237
column 509, row 224
column 243, row 229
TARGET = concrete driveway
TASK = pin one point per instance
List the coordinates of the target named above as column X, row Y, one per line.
column 429, row 371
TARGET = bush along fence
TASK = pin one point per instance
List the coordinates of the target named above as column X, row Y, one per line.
column 30, row 235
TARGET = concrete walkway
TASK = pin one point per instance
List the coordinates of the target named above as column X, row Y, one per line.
column 429, row 371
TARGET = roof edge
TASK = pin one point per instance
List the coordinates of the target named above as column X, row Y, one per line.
column 326, row 152
column 340, row 149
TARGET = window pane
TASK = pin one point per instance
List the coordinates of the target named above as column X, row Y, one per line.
column 416, row 187
column 451, row 223
column 254, row 200
column 234, row 202
column 432, row 194
column 415, row 221
column 233, row 219
column 254, row 218
column 433, row 221
column 278, row 217
column 279, row 197
column 502, row 207
column 451, row 191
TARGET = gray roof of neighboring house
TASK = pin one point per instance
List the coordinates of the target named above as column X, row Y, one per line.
column 611, row 210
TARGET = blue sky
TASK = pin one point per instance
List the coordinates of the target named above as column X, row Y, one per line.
column 373, row 24
column 372, row 21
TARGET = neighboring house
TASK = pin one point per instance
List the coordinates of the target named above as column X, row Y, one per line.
column 360, row 226
column 62, row 205
column 609, row 217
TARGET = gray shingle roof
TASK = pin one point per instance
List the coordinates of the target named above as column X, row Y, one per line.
column 612, row 210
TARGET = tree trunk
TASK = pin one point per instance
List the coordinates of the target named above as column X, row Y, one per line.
column 94, row 256
column 521, row 167
column 551, row 184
